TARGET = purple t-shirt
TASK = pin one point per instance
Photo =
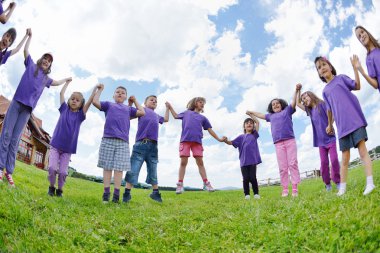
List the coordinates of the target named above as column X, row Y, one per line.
column 1, row 8
column 4, row 56
column 373, row 65
column 192, row 123
column 281, row 124
column 319, row 122
column 117, row 120
column 344, row 105
column 30, row 87
column 65, row 136
column 148, row 125
column 248, row 149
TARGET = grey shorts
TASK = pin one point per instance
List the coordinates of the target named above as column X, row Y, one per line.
column 352, row 140
column 114, row 155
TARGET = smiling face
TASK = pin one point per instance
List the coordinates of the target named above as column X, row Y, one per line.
column 120, row 95
column 46, row 62
column 6, row 41
column 76, row 101
column 276, row 105
column 306, row 100
column 248, row 126
column 151, row 102
column 324, row 69
column 363, row 37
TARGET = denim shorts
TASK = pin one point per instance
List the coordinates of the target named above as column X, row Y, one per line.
column 352, row 140
column 143, row 151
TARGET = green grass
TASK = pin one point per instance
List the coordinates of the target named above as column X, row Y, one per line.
column 316, row 221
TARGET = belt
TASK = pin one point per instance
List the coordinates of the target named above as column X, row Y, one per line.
column 148, row 140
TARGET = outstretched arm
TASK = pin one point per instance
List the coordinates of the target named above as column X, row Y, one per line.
column 95, row 100
column 225, row 140
column 27, row 44
column 213, row 134
column 19, row 46
column 4, row 17
column 355, row 64
column 257, row 114
column 298, row 97
column 168, row 105
column 166, row 118
column 63, row 90
column 140, row 110
column 62, row 81
column 89, row 101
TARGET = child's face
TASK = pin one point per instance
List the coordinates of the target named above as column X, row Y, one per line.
column 151, row 103
column 362, row 36
column 276, row 106
column 120, row 95
column 46, row 62
column 306, row 100
column 248, row 126
column 75, row 101
column 6, row 41
column 324, row 69
column 199, row 105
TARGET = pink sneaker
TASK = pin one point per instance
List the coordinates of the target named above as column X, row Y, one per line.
column 207, row 187
column 179, row 189
column 10, row 179
column 295, row 193
column 284, row 193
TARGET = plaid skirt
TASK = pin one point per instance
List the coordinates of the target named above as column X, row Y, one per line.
column 114, row 155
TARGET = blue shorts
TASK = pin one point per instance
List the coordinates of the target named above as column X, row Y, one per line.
column 352, row 140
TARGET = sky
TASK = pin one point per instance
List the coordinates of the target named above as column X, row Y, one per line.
column 237, row 54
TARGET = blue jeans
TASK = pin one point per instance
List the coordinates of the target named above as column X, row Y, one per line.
column 143, row 151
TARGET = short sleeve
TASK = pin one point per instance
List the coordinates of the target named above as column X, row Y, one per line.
column 180, row 115
column 28, row 61
column 5, row 57
column 49, row 82
column 256, row 134
column 237, row 141
column 1, row 8
column 290, row 109
column 63, row 107
column 104, row 106
column 328, row 107
column 371, row 67
column 206, row 124
column 132, row 112
column 348, row 82
column 82, row 115
column 160, row 119
column 267, row 117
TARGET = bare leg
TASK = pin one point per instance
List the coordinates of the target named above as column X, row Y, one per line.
column 182, row 168
column 107, row 174
column 201, row 167
column 364, row 156
column 344, row 166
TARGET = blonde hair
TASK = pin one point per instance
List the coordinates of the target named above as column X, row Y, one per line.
column 314, row 99
column 81, row 95
column 191, row 104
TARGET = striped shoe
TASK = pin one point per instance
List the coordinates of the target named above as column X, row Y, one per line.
column 1, row 176
column 10, row 179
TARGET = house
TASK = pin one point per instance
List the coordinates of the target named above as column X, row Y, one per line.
column 34, row 144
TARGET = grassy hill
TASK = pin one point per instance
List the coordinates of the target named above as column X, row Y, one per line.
column 316, row 221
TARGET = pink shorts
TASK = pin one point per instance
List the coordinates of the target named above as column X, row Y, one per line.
column 196, row 149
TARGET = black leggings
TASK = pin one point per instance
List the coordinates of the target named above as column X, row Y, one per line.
column 249, row 176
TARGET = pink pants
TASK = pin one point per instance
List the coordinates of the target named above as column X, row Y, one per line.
column 58, row 164
column 287, row 161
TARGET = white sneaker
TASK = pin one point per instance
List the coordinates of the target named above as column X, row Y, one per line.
column 341, row 192
column 179, row 189
column 368, row 189
column 207, row 187
column 247, row 197
column 256, row 196
column 1, row 176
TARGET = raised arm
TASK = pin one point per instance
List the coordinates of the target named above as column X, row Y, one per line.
column 89, row 101
column 355, row 63
column 140, row 110
column 19, row 46
column 168, row 105
column 213, row 134
column 166, row 117
column 62, row 93
column 27, row 44
column 4, row 17
column 95, row 100
column 294, row 99
column 254, row 118
column 257, row 114
column 298, row 97
column 62, row 81
column 372, row 81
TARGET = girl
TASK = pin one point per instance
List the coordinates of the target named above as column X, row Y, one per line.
column 348, row 115
column 6, row 14
column 65, row 137
column 249, row 154
column 29, row 90
column 316, row 109
column 373, row 57
column 191, row 138
column 114, row 148
column 280, row 117
column 6, row 41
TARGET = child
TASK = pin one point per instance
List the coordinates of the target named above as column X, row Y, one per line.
column 145, row 149
column 191, row 139
column 6, row 14
column 280, row 117
column 348, row 115
column 114, row 148
column 29, row 90
column 6, row 41
column 65, row 137
column 249, row 154
column 373, row 57
column 316, row 109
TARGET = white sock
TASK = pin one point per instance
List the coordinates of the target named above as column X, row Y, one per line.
column 342, row 186
column 369, row 180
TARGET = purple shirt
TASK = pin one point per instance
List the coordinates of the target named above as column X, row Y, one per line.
column 281, row 124
column 4, row 56
column 248, row 149
column 192, row 123
column 373, row 65
column 117, row 120
column 1, row 8
column 30, row 87
column 148, row 125
column 344, row 105
column 319, row 122
column 65, row 136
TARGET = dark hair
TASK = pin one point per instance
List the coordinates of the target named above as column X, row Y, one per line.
column 371, row 38
column 13, row 34
column 121, row 87
column 283, row 103
column 247, row 120
column 150, row 96
column 321, row 58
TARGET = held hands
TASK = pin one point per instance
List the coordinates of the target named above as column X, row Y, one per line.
column 131, row 100
column 168, row 105
column 330, row 130
column 298, row 87
column 224, row 139
column 68, row 80
column 12, row 5
column 249, row 113
column 29, row 32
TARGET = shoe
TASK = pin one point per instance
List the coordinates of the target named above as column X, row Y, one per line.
column 368, row 189
column 1, row 176
column 51, row 191
column 247, row 197
column 106, row 197
column 328, row 187
column 338, row 186
column 207, row 187
column 127, row 197
column 294, row 193
column 10, row 179
column 115, row 198
column 156, row 196
column 284, row 193
column 341, row 192
column 59, row 193
column 256, row 196
column 180, row 188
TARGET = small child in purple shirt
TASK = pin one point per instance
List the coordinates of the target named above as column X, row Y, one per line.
column 280, row 117
column 28, row 92
column 249, row 154
column 145, row 149
column 6, row 41
column 316, row 109
column 65, row 137
column 7, row 13
column 348, row 115
column 114, row 148
column 191, row 139
column 373, row 57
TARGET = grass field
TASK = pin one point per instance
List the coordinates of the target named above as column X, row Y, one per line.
column 316, row 221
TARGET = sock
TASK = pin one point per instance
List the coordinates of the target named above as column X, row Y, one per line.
column 106, row 189
column 205, row 180
column 155, row 190
column 127, row 190
column 369, row 180
column 180, row 180
column 116, row 192
column 342, row 186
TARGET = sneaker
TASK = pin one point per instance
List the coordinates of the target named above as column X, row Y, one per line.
column 368, row 189
column 10, row 179
column 247, row 197
column 156, row 196
column 51, row 191
column 328, row 187
column 1, row 176
column 207, row 187
column 284, row 193
column 106, row 197
column 180, row 188
column 338, row 186
column 126, row 197
column 256, row 196
column 294, row 193
column 341, row 192
column 59, row 193
column 115, row 198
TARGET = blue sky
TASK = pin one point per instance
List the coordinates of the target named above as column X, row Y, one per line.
column 237, row 54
